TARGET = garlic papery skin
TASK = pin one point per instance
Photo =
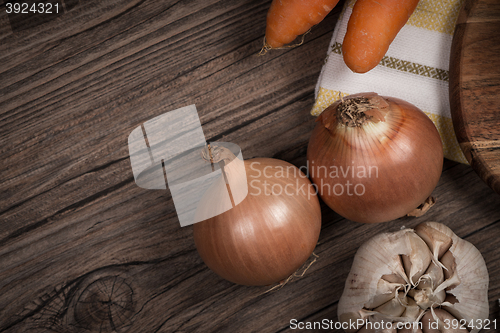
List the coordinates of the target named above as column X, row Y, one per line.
column 423, row 275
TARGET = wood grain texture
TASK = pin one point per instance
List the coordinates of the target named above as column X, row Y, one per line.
column 83, row 249
column 475, row 87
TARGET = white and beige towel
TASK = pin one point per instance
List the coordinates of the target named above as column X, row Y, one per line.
column 414, row 69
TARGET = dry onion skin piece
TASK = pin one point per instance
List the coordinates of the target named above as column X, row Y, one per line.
column 423, row 275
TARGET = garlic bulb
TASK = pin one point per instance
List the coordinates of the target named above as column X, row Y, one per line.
column 425, row 279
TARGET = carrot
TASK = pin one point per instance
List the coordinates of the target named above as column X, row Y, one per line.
column 372, row 27
column 287, row 19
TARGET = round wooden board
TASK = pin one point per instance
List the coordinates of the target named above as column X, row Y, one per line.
column 475, row 87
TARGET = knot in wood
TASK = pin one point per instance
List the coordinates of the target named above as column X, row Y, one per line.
column 106, row 305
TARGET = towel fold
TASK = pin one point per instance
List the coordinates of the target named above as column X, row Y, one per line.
column 415, row 68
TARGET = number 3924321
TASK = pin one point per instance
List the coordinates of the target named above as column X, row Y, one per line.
column 34, row 8
column 472, row 324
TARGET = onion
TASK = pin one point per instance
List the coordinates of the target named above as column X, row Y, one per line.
column 374, row 158
column 270, row 234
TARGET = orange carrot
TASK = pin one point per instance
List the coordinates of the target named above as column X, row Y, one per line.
column 372, row 27
column 287, row 19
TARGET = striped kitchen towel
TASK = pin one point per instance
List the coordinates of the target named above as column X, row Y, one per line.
column 414, row 69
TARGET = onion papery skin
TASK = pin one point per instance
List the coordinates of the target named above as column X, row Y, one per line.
column 268, row 236
column 402, row 159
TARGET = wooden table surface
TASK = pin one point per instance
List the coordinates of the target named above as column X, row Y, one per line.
column 74, row 226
